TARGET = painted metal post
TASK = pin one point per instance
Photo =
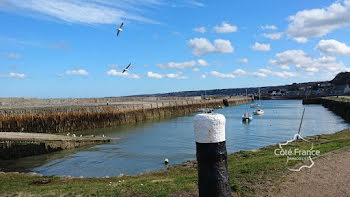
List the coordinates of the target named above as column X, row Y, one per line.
column 213, row 177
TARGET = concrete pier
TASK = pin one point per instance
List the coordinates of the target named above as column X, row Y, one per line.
column 71, row 115
column 17, row 144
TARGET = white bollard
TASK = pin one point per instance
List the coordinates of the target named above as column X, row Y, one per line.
column 213, row 177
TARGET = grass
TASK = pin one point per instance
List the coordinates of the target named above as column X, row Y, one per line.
column 340, row 98
column 251, row 172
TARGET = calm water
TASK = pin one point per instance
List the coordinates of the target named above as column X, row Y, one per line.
column 143, row 147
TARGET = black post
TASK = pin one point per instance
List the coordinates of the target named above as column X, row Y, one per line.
column 213, row 177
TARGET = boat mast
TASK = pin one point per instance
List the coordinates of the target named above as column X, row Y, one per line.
column 246, row 96
column 259, row 97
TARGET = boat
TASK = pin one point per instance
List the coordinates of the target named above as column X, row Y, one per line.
column 206, row 110
column 254, row 105
column 259, row 111
column 246, row 117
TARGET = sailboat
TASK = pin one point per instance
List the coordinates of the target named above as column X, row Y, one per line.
column 259, row 111
column 255, row 105
column 246, row 117
column 205, row 109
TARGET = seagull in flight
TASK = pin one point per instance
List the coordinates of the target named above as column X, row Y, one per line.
column 120, row 29
column 126, row 69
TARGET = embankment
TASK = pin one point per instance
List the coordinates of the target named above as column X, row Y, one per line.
column 339, row 106
column 17, row 144
column 59, row 119
column 252, row 173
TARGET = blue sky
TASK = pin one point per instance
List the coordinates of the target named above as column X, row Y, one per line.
column 66, row 48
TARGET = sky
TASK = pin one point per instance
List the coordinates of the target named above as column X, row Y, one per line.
column 69, row 48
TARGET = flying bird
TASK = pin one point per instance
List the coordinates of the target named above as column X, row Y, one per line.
column 120, row 29
column 126, row 69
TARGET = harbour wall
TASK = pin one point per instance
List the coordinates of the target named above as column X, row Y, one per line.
column 339, row 107
column 61, row 119
column 18, row 144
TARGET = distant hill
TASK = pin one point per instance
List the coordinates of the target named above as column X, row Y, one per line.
column 291, row 90
column 342, row 78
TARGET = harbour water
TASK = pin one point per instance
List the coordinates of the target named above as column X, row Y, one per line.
column 143, row 147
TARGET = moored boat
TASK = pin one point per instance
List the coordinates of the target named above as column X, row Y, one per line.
column 254, row 105
column 259, row 112
column 246, row 117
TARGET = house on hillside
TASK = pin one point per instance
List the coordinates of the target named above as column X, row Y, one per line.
column 341, row 89
column 347, row 89
column 325, row 85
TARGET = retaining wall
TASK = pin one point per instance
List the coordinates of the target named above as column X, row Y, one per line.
column 12, row 149
column 75, row 118
column 341, row 108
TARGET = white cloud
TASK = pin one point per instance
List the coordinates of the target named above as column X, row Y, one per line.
column 225, row 28
column 202, row 46
column 259, row 74
column 195, row 3
column 301, row 39
column 266, row 72
column 116, row 73
column 12, row 55
column 80, row 72
column 203, row 76
column 291, row 57
column 243, row 60
column 333, row 47
column 222, row 75
column 169, row 75
column 304, row 62
column 261, row 47
column 240, row 72
column 319, row 22
column 183, row 65
column 154, row 75
column 200, row 29
column 270, row 27
column 285, row 67
column 82, row 11
column 17, row 75
column 273, row 36
column 195, row 69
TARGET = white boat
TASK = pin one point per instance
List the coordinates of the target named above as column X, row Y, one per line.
column 205, row 110
column 259, row 112
column 254, row 105
column 246, row 117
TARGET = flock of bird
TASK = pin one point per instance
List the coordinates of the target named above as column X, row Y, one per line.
column 118, row 32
